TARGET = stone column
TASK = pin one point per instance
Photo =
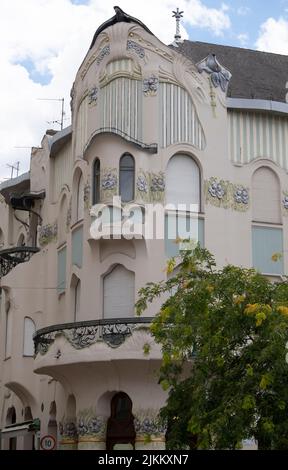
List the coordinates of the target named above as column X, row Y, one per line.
column 150, row 430
column 92, row 432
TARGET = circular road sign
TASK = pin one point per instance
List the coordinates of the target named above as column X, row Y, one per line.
column 48, row 443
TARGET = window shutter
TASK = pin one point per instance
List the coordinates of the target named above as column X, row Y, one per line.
column 183, row 182
column 266, row 196
column 119, row 293
column 29, row 330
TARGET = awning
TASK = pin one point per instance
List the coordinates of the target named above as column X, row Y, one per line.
column 18, row 429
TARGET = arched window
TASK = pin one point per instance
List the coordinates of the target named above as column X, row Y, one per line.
column 119, row 293
column 8, row 339
column 11, row 419
column 183, row 182
column 80, row 199
column 29, row 330
column 96, row 181
column 21, row 240
column 52, row 423
column 1, row 239
column 127, row 177
column 120, row 425
column 266, row 196
column 267, row 231
column 77, row 295
column 62, row 222
column 71, row 417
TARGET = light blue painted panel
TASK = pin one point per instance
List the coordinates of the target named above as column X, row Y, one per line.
column 176, row 227
column 266, row 242
column 77, row 247
column 61, row 284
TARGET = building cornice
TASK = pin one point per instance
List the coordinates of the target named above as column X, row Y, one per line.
column 257, row 105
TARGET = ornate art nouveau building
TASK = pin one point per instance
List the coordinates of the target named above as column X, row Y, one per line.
column 154, row 125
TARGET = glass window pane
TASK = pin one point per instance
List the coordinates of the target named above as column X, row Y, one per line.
column 267, row 242
column 127, row 168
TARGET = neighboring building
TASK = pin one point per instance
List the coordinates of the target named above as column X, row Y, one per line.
column 153, row 124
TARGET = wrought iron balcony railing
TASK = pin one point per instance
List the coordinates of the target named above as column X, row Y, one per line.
column 82, row 334
column 11, row 257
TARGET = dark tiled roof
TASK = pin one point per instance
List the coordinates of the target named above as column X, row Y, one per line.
column 259, row 75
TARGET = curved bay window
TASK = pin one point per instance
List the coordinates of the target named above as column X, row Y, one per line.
column 127, row 177
column 120, row 425
column 96, row 182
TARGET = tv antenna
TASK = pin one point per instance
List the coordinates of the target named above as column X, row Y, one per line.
column 14, row 167
column 61, row 121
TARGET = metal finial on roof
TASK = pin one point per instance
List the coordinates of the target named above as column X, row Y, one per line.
column 177, row 15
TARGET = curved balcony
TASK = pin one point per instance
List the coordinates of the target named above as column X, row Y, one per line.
column 83, row 334
column 97, row 344
column 11, row 257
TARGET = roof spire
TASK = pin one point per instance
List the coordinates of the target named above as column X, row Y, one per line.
column 177, row 15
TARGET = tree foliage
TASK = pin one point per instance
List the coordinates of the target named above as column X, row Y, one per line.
column 223, row 334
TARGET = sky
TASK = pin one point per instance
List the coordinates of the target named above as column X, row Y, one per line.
column 43, row 42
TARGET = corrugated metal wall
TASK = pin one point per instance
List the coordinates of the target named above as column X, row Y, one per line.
column 253, row 135
column 178, row 118
column 121, row 106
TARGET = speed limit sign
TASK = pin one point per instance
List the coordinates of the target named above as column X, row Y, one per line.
column 47, row 443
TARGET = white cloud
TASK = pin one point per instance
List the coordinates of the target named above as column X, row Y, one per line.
column 243, row 10
column 243, row 39
column 273, row 36
column 54, row 36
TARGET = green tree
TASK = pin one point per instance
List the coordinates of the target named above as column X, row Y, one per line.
column 223, row 334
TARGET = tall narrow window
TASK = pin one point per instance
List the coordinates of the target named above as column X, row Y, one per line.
column 119, row 293
column 1, row 239
column 62, row 226
column 127, row 177
column 96, row 181
column 8, row 342
column 80, row 199
column 29, row 330
column 77, row 294
column 61, row 275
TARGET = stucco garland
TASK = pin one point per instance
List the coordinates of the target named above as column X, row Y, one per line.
column 69, row 215
column 150, row 86
column 109, row 184
column 89, row 424
column 48, row 234
column 142, row 186
column 285, row 203
column 149, row 424
column 68, row 429
column 87, row 191
column 224, row 194
column 157, row 186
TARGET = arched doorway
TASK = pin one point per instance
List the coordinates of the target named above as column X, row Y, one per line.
column 120, row 425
